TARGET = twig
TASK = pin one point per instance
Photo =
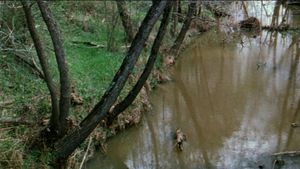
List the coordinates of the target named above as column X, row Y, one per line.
column 86, row 152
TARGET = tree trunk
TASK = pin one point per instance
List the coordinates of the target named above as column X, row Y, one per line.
column 68, row 144
column 126, row 20
column 54, row 121
column 177, row 44
column 65, row 89
column 175, row 17
column 147, row 70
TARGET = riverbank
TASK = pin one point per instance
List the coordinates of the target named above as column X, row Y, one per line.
column 95, row 49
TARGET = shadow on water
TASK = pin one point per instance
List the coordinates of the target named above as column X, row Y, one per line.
column 235, row 101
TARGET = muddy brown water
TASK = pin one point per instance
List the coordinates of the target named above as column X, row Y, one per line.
column 234, row 100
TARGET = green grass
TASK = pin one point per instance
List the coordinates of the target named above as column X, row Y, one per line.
column 92, row 69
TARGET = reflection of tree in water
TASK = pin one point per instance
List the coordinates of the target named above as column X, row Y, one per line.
column 191, row 107
column 293, row 78
column 286, row 108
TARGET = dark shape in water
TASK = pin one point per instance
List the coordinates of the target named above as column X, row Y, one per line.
column 180, row 138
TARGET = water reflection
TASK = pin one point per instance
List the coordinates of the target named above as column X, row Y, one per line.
column 234, row 102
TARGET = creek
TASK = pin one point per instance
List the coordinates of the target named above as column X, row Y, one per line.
column 234, row 94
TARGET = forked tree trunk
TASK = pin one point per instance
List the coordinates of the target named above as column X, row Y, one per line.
column 65, row 89
column 54, row 121
column 69, row 143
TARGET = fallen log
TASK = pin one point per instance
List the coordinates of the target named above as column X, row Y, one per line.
column 91, row 44
column 16, row 122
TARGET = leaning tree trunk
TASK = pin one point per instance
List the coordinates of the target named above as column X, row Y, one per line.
column 147, row 70
column 65, row 90
column 68, row 144
column 126, row 20
column 188, row 20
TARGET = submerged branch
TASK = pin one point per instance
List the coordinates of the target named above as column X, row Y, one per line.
column 288, row 153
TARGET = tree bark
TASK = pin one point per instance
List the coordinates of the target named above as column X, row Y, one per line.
column 185, row 27
column 147, row 70
column 65, row 90
column 68, row 144
column 126, row 20
column 54, row 121
column 175, row 17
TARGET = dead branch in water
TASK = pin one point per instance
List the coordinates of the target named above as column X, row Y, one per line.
column 288, row 153
column 280, row 28
column 295, row 125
